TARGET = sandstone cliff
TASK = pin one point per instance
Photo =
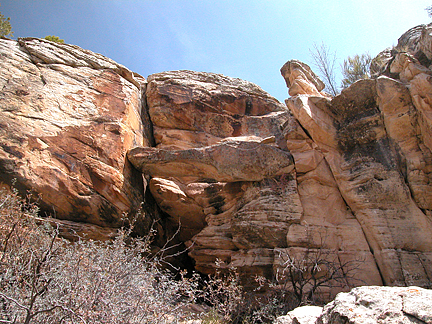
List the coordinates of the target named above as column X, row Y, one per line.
column 247, row 179
column 68, row 117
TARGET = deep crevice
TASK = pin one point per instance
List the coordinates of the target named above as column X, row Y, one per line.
column 145, row 118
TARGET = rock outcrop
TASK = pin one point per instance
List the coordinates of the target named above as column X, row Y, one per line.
column 246, row 180
column 375, row 138
column 300, row 315
column 368, row 305
column 217, row 167
column 67, row 118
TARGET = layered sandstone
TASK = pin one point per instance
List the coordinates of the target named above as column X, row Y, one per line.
column 223, row 170
column 217, row 167
column 374, row 137
column 67, row 118
column 247, row 181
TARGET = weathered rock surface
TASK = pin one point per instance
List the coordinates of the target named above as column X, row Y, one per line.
column 379, row 305
column 229, row 161
column 368, row 305
column 300, row 315
column 222, row 169
column 219, row 156
column 248, row 180
column 374, row 137
column 300, row 79
column 67, row 118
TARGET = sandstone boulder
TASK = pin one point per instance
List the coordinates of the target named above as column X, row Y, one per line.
column 379, row 305
column 221, row 168
column 368, row 305
column 193, row 109
column 67, row 118
column 228, row 161
column 300, row 315
column 300, row 79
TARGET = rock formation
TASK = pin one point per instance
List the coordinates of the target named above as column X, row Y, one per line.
column 67, row 118
column 368, row 305
column 216, row 168
column 247, row 180
column 375, row 138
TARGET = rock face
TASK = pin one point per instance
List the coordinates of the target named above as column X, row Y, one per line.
column 67, row 118
column 217, row 167
column 248, row 181
column 368, row 305
column 229, row 161
column 375, row 138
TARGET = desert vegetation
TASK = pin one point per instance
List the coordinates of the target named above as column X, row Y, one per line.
column 47, row 279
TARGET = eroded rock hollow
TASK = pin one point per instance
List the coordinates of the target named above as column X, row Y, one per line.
column 246, row 178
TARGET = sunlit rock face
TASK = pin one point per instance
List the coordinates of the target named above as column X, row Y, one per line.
column 375, row 139
column 243, row 180
column 246, row 179
column 368, row 305
column 221, row 168
column 67, row 118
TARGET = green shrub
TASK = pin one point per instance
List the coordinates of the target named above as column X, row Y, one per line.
column 5, row 26
column 54, row 39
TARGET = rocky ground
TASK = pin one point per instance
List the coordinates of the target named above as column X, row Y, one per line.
column 368, row 305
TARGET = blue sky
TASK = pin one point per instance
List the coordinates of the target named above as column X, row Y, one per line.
column 248, row 39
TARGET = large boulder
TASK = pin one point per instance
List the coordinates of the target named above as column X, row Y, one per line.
column 365, row 305
column 379, row 305
column 67, row 118
column 228, row 161
column 300, row 315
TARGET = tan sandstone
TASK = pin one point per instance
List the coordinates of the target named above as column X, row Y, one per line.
column 68, row 117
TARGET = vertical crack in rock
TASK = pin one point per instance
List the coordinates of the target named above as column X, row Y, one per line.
column 357, row 142
column 145, row 117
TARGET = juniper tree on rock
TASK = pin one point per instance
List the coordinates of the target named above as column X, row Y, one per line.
column 5, row 26
column 55, row 39
column 356, row 68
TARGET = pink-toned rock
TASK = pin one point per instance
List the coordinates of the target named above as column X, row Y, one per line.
column 300, row 79
column 245, row 178
column 407, row 67
column 68, row 117
column 218, row 163
column 401, row 123
column 184, row 210
column 370, row 141
column 229, row 161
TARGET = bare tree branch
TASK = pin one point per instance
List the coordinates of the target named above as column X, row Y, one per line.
column 325, row 63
